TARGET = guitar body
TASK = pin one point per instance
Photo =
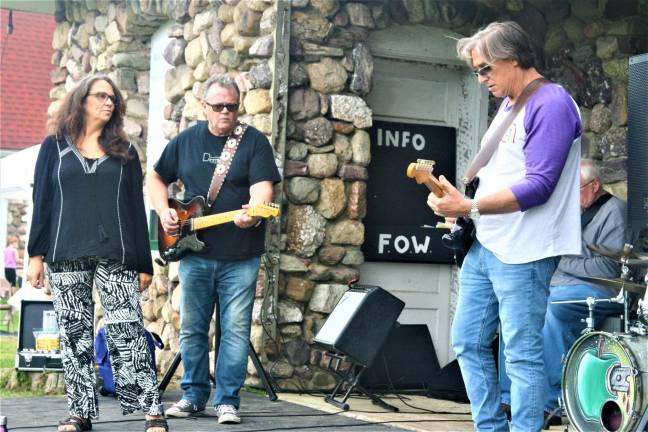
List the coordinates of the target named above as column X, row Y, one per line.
column 191, row 218
column 174, row 247
column 463, row 234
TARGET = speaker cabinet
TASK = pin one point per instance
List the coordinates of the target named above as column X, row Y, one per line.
column 638, row 143
column 407, row 361
column 360, row 323
column 448, row 384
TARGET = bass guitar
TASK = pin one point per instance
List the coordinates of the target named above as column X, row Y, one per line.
column 174, row 246
column 462, row 235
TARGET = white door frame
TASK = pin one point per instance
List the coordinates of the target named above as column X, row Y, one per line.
column 432, row 47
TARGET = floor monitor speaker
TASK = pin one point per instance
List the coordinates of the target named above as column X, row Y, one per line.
column 359, row 324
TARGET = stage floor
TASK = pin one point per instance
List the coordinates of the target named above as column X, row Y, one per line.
column 294, row 412
column 258, row 413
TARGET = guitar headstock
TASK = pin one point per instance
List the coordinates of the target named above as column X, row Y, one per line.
column 421, row 171
column 266, row 210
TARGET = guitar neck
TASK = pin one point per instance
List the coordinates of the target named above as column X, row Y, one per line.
column 203, row 222
column 434, row 186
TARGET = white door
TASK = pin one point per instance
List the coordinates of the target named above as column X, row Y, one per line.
column 418, row 81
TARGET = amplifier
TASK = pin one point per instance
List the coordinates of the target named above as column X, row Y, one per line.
column 360, row 323
column 38, row 338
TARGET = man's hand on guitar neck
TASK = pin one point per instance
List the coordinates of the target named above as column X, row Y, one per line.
column 260, row 193
column 452, row 204
column 243, row 220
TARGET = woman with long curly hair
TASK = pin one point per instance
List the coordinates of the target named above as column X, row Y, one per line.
column 89, row 226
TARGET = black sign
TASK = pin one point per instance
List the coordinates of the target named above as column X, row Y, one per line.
column 399, row 225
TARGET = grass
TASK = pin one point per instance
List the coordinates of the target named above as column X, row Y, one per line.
column 254, row 390
column 8, row 346
column 7, row 394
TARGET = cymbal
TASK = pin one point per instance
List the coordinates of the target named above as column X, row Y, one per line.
column 631, row 287
column 625, row 256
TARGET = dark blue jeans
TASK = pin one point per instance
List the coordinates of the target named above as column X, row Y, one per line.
column 234, row 283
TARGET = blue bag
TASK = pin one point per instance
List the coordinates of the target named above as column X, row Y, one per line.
column 107, row 387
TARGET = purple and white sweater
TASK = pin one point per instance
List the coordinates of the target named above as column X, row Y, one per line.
column 538, row 158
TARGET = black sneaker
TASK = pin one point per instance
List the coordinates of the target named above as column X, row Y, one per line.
column 184, row 408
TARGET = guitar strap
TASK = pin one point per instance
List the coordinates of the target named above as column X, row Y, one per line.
column 591, row 211
column 225, row 161
column 493, row 140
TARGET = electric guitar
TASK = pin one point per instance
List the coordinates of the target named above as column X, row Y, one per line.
column 462, row 234
column 174, row 246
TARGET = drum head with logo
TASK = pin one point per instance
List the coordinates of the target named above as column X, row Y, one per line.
column 601, row 383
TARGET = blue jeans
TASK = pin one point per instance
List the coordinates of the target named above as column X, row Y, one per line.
column 514, row 295
column 562, row 327
column 234, row 283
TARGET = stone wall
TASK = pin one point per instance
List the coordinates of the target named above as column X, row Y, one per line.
column 584, row 44
column 49, row 383
column 17, row 223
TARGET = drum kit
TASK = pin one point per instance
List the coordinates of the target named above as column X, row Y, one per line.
column 605, row 375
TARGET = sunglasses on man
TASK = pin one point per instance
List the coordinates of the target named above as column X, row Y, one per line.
column 483, row 71
column 219, row 107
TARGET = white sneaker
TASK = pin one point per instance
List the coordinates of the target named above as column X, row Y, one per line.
column 228, row 414
column 184, row 408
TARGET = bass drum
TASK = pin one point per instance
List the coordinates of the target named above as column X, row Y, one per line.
column 605, row 380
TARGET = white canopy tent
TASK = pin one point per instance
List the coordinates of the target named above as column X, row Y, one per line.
column 17, row 173
column 16, row 178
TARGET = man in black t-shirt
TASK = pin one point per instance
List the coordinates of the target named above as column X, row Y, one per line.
column 228, row 268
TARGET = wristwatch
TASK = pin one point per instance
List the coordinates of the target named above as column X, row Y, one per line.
column 474, row 210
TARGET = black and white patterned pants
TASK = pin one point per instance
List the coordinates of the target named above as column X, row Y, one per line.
column 135, row 380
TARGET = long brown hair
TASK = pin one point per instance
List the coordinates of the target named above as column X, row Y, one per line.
column 70, row 119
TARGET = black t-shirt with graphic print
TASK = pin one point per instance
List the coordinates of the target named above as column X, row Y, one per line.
column 192, row 155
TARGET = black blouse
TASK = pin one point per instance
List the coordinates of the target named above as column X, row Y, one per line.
column 88, row 207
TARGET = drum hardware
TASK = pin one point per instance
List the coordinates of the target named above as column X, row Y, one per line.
column 639, row 330
column 631, row 287
column 623, row 282
column 591, row 305
column 643, row 304
column 626, row 256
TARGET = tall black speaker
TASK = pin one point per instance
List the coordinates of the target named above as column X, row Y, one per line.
column 638, row 143
column 360, row 323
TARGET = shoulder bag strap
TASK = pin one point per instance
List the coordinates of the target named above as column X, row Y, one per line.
column 224, row 162
column 487, row 150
